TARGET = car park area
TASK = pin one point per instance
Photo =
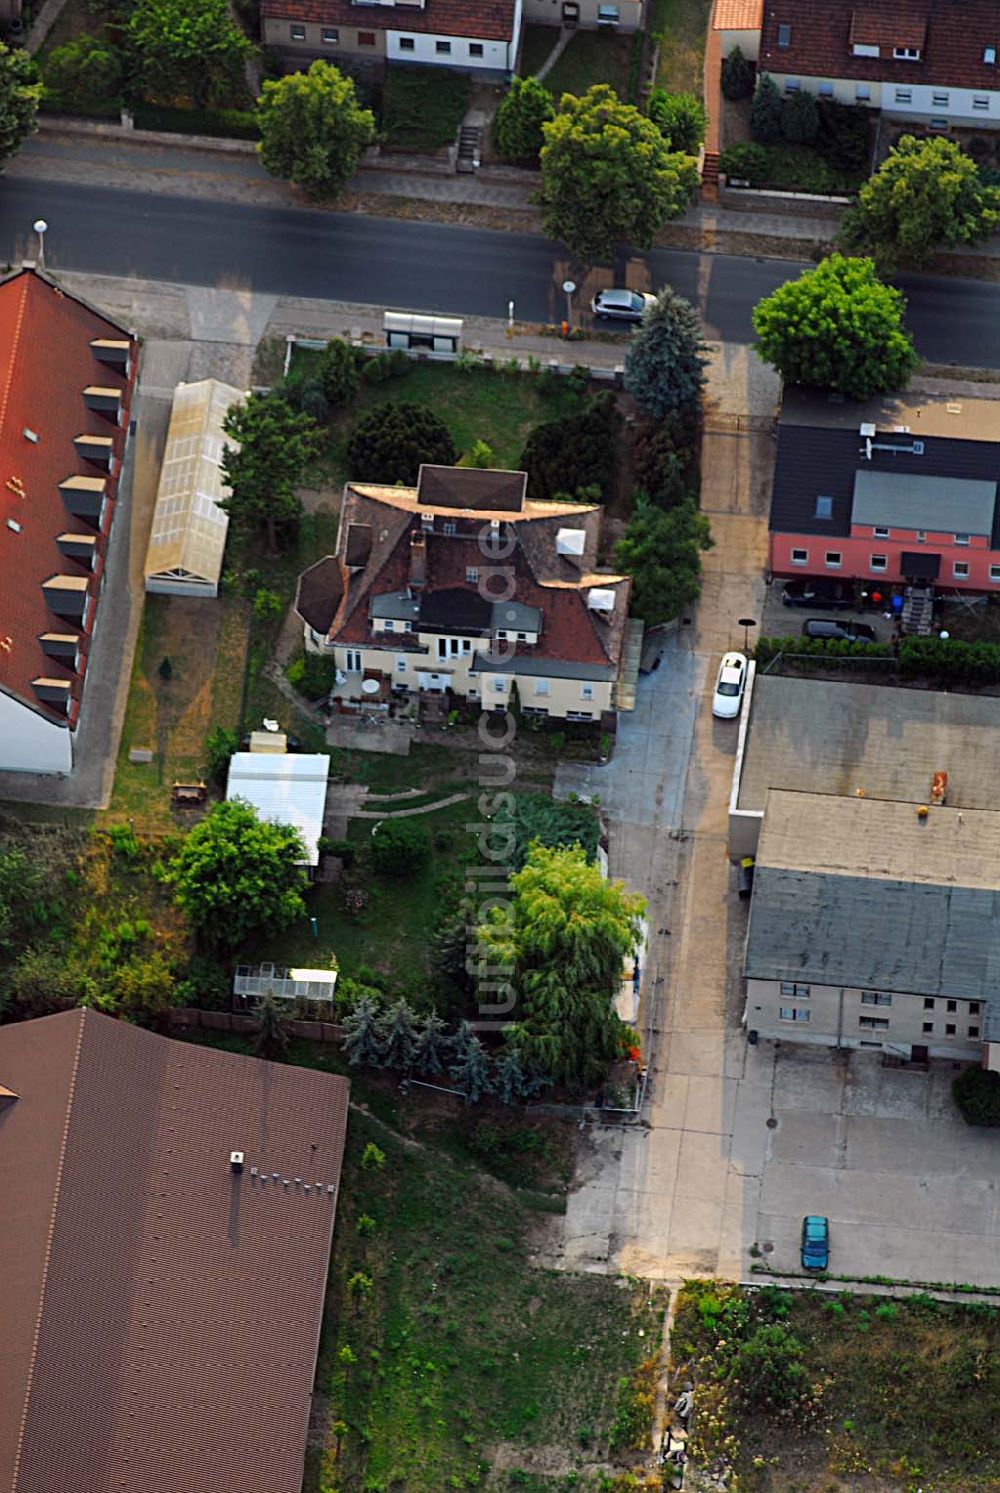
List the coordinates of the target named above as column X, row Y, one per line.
column 782, row 621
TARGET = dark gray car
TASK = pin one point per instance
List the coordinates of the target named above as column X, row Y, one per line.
column 834, row 627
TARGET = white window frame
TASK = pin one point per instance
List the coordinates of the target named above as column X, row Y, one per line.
column 875, row 998
column 826, row 90
column 960, row 570
column 880, row 532
column 995, row 575
column 541, row 687
column 471, row 575
column 865, row 49
column 790, row 989
column 353, row 661
column 921, row 536
column 906, row 54
column 981, row 101
column 401, row 663
column 297, row 31
column 800, row 557
column 873, row 1023
column 837, row 564
column 862, row 93
column 990, row 56
column 962, row 538
column 793, row 1014
column 879, row 563
column 941, row 100
column 499, row 685
column 903, row 96
column 331, row 36
column 784, row 36
column 586, row 691
column 388, row 625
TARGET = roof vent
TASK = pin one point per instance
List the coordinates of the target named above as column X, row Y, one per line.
column 867, row 429
column 30, row 435
column 236, row 1162
column 12, row 523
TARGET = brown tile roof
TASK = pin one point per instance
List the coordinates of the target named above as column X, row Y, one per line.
column 321, row 589
column 161, row 1315
column 46, row 362
column 888, row 29
column 571, row 632
column 481, row 20
column 737, row 15
column 821, row 40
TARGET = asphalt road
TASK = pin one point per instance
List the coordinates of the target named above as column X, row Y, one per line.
column 420, row 266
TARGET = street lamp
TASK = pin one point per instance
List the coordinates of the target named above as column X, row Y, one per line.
column 746, row 623
column 41, row 228
column 569, row 286
column 510, row 318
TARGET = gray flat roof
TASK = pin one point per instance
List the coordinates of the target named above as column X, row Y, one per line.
column 820, row 736
column 960, row 505
column 926, row 409
column 865, row 894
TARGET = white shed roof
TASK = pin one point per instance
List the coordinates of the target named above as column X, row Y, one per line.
column 189, row 527
column 288, row 789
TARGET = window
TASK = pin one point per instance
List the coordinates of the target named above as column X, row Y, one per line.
column 522, row 637
column 579, row 715
column 796, row 992
column 784, row 37
column 793, row 1013
column 406, row 44
column 939, row 100
column 331, row 35
column 951, row 1006
column 298, row 33
column 800, row 557
column 875, row 998
column 541, row 686
column 878, row 562
column 366, row 38
column 928, row 1003
column 928, row 1026
column 973, row 1031
column 466, row 645
column 608, row 14
column 980, row 101
column 792, row 85
column 880, row 533
column 865, row 49
column 475, row 49
column 973, row 1008
column 499, row 686
column 921, row 536
column 471, row 574
column 961, row 538
column 862, row 93
column 949, row 1030
column 586, row 691
column 937, row 123
column 401, row 664
column 442, row 48
column 833, row 560
column 873, row 1023
column 990, row 55
column 826, row 90
column 824, row 507
column 352, row 661
column 960, row 570
column 450, row 526
column 388, row 625
column 904, row 95
column 906, row 54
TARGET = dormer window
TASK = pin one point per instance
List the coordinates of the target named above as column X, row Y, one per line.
column 990, row 56
column 906, row 54
column 784, row 37
column 427, row 520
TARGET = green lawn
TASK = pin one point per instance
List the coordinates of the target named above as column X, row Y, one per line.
column 463, row 1357
column 682, row 25
column 422, row 107
column 591, row 57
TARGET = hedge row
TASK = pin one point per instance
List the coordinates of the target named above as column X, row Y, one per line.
column 944, row 661
column 786, row 168
column 236, row 124
column 769, row 648
column 54, row 103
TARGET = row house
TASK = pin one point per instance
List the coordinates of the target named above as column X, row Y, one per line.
column 465, row 586
column 897, row 491
column 67, row 376
column 481, row 37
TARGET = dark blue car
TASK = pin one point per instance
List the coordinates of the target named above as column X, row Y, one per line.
column 815, row 1242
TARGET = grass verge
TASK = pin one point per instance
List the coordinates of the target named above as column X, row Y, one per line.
column 591, row 57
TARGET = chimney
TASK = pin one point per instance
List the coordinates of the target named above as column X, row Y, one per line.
column 236, row 1162
column 418, row 558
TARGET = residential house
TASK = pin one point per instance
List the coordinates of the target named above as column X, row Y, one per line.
column 475, row 36
column 897, row 491
column 67, row 376
column 738, row 24
column 929, row 63
column 874, row 924
column 464, row 585
column 168, row 1218
column 587, row 15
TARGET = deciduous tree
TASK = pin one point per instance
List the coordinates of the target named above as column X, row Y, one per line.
column 562, row 457
column 275, row 442
column 665, row 359
column 517, row 128
column 313, row 129
column 87, row 70
column 565, row 940
column 186, row 52
column 926, row 195
column 837, row 327
column 680, row 119
column 236, row 874
column 19, row 99
column 609, row 176
column 662, row 553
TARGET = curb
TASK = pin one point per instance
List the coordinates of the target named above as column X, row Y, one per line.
column 64, row 124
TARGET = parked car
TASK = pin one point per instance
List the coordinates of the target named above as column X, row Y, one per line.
column 729, row 686
column 835, row 596
column 618, row 304
column 815, row 1242
column 844, row 632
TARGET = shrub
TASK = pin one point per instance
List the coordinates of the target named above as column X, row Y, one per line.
column 338, row 372
column 562, row 456
column 220, row 745
column 390, row 443
column 665, row 458
column 787, row 168
column 376, row 370
column 399, row 364
column 312, row 674
column 680, row 119
column 737, row 76
column 268, row 606
column 767, row 1373
column 976, row 1093
column 842, row 135
column 343, row 849
column 766, row 111
column 310, row 398
column 86, row 71
column 517, row 128
column 799, row 117
column 746, row 161
column 236, row 124
column 400, row 848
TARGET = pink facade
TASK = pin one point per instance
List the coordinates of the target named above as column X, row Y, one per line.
column 869, row 556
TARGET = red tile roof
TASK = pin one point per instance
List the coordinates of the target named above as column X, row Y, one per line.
column 46, row 362
column 821, row 31
column 480, row 20
column 737, row 15
column 161, row 1314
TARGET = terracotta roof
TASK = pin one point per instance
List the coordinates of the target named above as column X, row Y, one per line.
column 821, row 31
column 737, row 15
column 161, row 1314
column 46, row 362
column 482, row 20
